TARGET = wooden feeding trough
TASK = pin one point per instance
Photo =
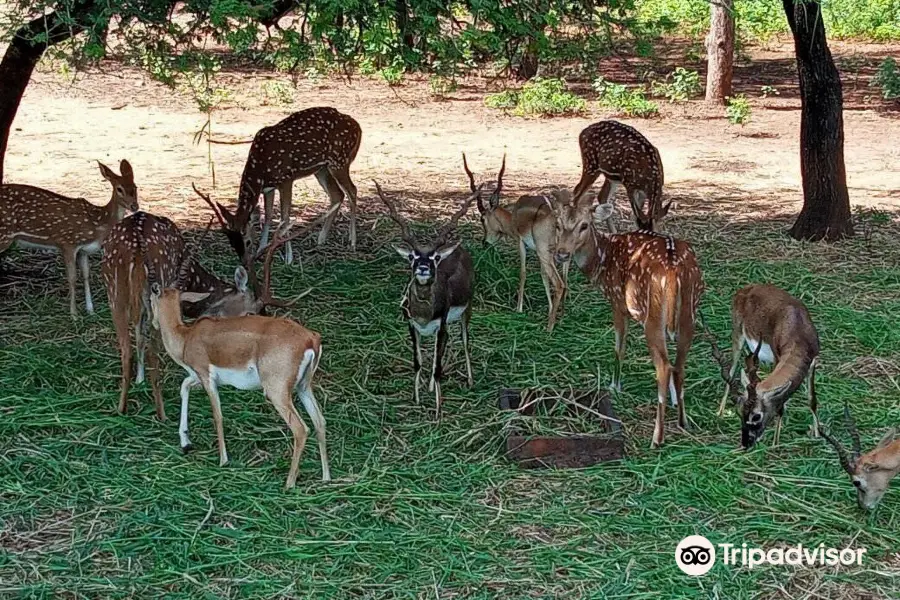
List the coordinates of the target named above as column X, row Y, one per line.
column 563, row 451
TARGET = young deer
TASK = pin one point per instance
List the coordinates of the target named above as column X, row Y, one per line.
column 249, row 352
column 143, row 248
column 872, row 472
column 530, row 221
column 34, row 217
column 650, row 278
column 775, row 327
column 626, row 158
column 439, row 292
column 318, row 141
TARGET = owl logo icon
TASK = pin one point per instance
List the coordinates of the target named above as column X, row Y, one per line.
column 695, row 555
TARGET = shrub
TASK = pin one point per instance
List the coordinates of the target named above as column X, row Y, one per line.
column 507, row 99
column 737, row 110
column 441, row 86
column 539, row 96
column 679, row 86
column 278, row 92
column 888, row 79
column 619, row 97
column 768, row 90
column 393, row 75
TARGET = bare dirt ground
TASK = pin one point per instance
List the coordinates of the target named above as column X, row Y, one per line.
column 412, row 142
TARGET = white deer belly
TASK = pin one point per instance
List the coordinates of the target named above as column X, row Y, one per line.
column 242, row 379
column 765, row 353
column 529, row 241
column 92, row 248
column 431, row 327
column 34, row 245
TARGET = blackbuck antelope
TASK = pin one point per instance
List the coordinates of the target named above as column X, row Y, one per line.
column 145, row 248
column 650, row 278
column 318, row 141
column 35, row 217
column 531, row 223
column 775, row 328
column 248, row 353
column 439, row 292
column 626, row 158
column 872, row 472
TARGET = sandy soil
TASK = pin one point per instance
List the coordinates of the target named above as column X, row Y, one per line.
column 412, row 143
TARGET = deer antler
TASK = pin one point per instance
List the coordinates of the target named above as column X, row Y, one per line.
column 212, row 205
column 471, row 175
column 395, row 216
column 845, row 457
column 724, row 365
column 187, row 256
column 451, row 224
column 854, row 432
column 499, row 187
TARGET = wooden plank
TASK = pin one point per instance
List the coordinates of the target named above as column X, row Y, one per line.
column 566, row 453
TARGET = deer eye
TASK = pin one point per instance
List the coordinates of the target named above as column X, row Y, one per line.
column 584, row 227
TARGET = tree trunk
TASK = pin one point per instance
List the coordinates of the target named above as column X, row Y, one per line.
column 720, row 51
column 826, row 203
column 22, row 56
column 401, row 11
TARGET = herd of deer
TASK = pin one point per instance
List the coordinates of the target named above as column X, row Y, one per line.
column 153, row 277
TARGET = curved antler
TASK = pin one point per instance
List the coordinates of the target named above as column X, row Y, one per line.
column 395, row 216
column 725, row 367
column 212, row 205
column 842, row 453
column 854, row 432
column 451, row 224
column 499, row 187
column 471, row 175
column 184, row 268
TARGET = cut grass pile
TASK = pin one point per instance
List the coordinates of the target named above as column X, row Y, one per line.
column 94, row 504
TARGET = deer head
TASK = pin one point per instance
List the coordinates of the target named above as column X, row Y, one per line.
column 871, row 473
column 493, row 228
column 124, row 188
column 424, row 258
column 574, row 220
column 238, row 228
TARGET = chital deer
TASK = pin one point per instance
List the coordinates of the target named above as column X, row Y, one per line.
column 145, row 248
column 626, row 158
column 872, row 472
column 318, row 141
column 34, row 217
column 249, row 353
column 776, row 328
column 531, row 223
column 650, row 278
column 439, row 292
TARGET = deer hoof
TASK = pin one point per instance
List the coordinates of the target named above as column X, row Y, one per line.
column 186, row 449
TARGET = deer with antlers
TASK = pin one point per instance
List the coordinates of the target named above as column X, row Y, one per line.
column 775, row 328
column 249, row 352
column 318, row 141
column 530, row 221
column 647, row 277
column 35, row 217
column 439, row 292
column 144, row 248
column 872, row 472
column 626, row 158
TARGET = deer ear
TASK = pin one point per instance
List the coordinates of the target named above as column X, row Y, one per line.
column 442, row 253
column 155, row 289
column 240, row 279
column 604, row 211
column 125, row 169
column 494, row 200
column 887, row 439
column 193, row 296
column 107, row 172
column 404, row 251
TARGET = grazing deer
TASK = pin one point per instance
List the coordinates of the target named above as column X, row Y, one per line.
column 776, row 329
column 34, row 217
column 144, row 248
column 250, row 352
column 626, row 158
column 530, row 221
column 316, row 141
column 439, row 292
column 650, row 278
column 872, row 472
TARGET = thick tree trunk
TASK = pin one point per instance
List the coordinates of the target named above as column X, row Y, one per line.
column 826, row 203
column 401, row 11
column 22, row 56
column 720, row 51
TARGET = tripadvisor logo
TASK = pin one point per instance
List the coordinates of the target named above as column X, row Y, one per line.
column 695, row 555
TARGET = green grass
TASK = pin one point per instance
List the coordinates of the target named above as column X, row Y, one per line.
column 94, row 504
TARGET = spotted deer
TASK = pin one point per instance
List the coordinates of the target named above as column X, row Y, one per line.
column 626, row 158
column 35, row 217
column 439, row 292
column 872, row 472
column 647, row 277
column 249, row 352
column 531, row 223
column 318, row 141
column 776, row 329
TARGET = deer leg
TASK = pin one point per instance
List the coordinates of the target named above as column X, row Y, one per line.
column 417, row 358
column 213, row 392
column 434, row 363
column 153, row 370
column 467, row 316
column 565, row 282
column 269, row 209
column 656, row 342
column 552, row 284
column 85, row 264
column 71, row 276
column 335, row 193
column 318, row 419
column 588, row 178
column 735, row 359
column 620, row 328
column 286, row 196
column 813, row 401
column 608, row 195
column 283, row 403
column 123, row 336
column 522, row 259
column 342, row 175
column 189, row 382
column 683, row 346
column 439, row 347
